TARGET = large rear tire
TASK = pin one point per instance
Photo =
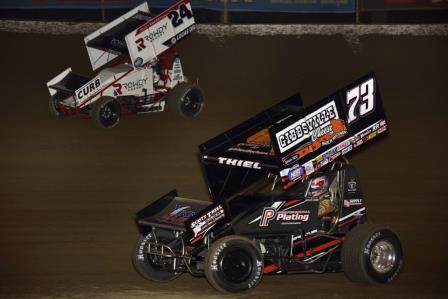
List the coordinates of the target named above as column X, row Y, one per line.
column 233, row 264
column 106, row 112
column 152, row 267
column 372, row 254
column 186, row 99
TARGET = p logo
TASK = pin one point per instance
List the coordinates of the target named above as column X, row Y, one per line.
column 268, row 215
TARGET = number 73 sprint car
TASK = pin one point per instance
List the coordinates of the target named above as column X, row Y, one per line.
column 285, row 200
column 140, row 70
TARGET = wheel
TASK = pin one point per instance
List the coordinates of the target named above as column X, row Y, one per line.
column 151, row 267
column 186, row 99
column 372, row 254
column 233, row 264
column 106, row 112
column 54, row 109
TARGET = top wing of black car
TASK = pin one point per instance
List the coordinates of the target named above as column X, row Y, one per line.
column 292, row 141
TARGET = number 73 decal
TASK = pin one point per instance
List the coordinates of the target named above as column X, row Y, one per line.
column 361, row 100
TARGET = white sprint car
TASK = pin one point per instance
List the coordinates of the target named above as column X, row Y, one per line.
column 140, row 72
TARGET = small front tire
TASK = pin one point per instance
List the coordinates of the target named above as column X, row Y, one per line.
column 234, row 264
column 53, row 108
column 186, row 99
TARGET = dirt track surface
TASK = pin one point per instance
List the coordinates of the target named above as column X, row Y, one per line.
column 68, row 191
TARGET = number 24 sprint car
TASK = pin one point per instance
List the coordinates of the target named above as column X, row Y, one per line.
column 140, row 70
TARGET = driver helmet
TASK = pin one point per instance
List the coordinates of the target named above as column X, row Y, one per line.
column 319, row 186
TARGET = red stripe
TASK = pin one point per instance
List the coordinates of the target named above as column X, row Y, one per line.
column 290, row 203
column 321, row 247
column 196, row 239
column 270, row 268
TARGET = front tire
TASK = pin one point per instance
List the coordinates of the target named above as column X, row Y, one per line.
column 233, row 264
column 186, row 99
column 151, row 267
column 372, row 254
column 106, row 112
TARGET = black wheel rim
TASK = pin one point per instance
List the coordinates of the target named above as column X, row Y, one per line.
column 236, row 265
column 109, row 114
column 192, row 102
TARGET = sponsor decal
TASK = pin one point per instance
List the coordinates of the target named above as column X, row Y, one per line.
column 120, row 44
column 309, row 168
column 312, row 127
column 352, row 202
column 295, row 172
column 321, row 137
column 347, row 149
column 252, row 148
column 370, row 136
column 359, row 142
column 351, row 186
column 152, row 34
column 179, row 215
column 88, row 89
column 117, row 89
column 382, row 129
column 135, row 85
column 170, row 42
column 138, row 62
column 335, row 156
column 239, row 163
column 343, row 145
column 140, row 42
column 284, row 217
column 206, row 221
column 177, row 74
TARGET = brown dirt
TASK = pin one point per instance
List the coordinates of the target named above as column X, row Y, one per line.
column 68, row 191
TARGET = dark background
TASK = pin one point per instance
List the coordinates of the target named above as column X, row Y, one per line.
column 69, row 191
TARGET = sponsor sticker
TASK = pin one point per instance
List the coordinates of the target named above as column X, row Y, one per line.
column 88, row 89
column 284, row 217
column 296, row 172
column 351, row 186
column 207, row 220
column 239, row 163
column 309, row 168
column 352, row 202
column 310, row 126
column 179, row 214
column 138, row 62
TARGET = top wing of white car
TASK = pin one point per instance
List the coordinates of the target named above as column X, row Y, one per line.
column 139, row 35
column 107, row 43
column 160, row 33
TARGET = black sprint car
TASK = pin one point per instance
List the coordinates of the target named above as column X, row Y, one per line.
column 285, row 200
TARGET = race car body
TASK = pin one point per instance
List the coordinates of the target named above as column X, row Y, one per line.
column 140, row 71
column 277, row 208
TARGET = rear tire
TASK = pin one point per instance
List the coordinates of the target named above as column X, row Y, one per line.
column 54, row 109
column 233, row 264
column 372, row 254
column 186, row 99
column 106, row 112
column 151, row 267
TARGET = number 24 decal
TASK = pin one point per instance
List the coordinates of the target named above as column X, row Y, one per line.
column 177, row 16
column 361, row 100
